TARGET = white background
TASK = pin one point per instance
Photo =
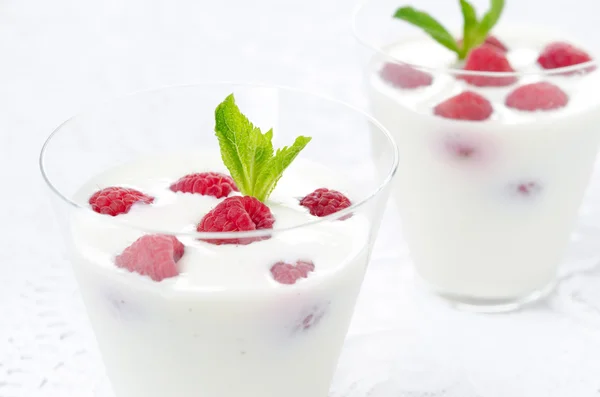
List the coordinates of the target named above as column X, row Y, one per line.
column 56, row 57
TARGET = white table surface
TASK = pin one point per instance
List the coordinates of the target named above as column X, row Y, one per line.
column 57, row 56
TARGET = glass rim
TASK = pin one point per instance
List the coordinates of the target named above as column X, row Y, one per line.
column 224, row 235
column 356, row 31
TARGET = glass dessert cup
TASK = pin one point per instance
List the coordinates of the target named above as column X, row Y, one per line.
column 494, row 188
column 223, row 326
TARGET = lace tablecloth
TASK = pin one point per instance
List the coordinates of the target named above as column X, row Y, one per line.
column 60, row 55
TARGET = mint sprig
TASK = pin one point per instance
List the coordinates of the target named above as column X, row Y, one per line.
column 475, row 31
column 248, row 153
column 431, row 26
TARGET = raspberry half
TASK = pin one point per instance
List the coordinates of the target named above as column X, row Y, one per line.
column 114, row 201
column 154, row 255
column 323, row 202
column 537, row 96
column 405, row 76
column 465, row 106
column 286, row 273
column 560, row 55
column 206, row 183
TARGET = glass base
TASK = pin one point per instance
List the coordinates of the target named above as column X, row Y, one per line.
column 483, row 305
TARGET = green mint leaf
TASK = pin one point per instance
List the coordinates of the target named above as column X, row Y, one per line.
column 469, row 28
column 432, row 27
column 244, row 148
column 262, row 155
column 271, row 174
column 489, row 20
column 248, row 154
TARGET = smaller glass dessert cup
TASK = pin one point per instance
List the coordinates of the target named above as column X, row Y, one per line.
column 194, row 287
column 497, row 142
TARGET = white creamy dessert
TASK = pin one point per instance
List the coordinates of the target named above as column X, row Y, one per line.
column 223, row 326
column 488, row 206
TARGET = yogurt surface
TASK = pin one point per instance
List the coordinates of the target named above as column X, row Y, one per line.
column 207, row 266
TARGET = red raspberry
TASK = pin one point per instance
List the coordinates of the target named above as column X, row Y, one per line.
column 206, row 184
column 286, row 273
column 491, row 41
column 528, row 188
column 310, row 318
column 465, row 106
column 310, row 321
column 153, row 255
column 560, row 55
column 323, row 202
column 237, row 214
column 461, row 150
column 404, row 76
column 487, row 58
column 117, row 200
column 465, row 149
column 537, row 96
